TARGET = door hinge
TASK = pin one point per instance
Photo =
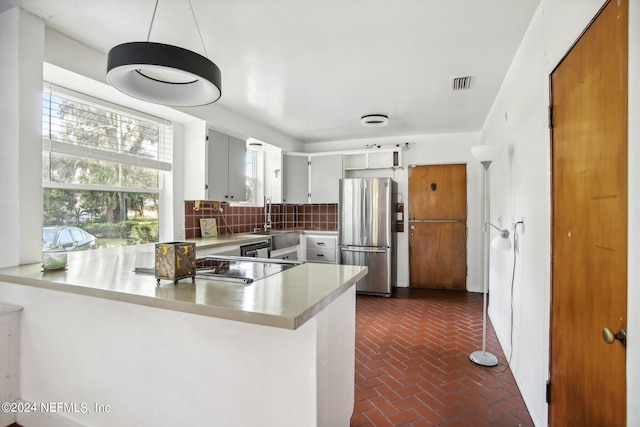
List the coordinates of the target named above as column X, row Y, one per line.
column 550, row 117
column 548, row 392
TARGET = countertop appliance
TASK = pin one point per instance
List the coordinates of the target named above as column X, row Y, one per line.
column 366, row 231
column 230, row 268
column 257, row 249
column 239, row 269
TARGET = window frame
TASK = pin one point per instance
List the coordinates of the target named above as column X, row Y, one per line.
column 252, row 179
column 162, row 166
column 257, row 178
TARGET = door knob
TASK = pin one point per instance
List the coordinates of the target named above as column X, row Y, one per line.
column 609, row 336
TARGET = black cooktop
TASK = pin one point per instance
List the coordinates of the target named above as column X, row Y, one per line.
column 239, row 269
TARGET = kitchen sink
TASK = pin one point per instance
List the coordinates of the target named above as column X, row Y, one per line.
column 281, row 239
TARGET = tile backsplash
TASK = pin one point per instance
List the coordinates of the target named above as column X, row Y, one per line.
column 244, row 219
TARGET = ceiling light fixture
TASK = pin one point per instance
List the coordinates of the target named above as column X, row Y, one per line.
column 164, row 74
column 374, row 120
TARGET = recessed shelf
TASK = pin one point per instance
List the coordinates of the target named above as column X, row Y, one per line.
column 387, row 159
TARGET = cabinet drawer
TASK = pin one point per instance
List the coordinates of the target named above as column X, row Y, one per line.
column 321, row 242
column 285, row 254
column 321, row 255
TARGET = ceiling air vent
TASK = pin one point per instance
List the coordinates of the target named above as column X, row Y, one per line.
column 461, row 83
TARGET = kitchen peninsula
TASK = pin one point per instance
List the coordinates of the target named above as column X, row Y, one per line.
column 277, row 352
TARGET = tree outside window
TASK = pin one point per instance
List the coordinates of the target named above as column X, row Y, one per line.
column 101, row 168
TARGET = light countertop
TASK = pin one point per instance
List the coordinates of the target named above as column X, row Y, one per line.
column 284, row 300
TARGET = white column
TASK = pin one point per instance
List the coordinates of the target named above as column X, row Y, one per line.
column 21, row 57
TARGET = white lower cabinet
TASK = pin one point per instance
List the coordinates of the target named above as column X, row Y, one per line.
column 321, row 248
column 9, row 359
column 290, row 254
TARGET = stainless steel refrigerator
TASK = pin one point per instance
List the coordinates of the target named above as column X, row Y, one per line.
column 366, row 231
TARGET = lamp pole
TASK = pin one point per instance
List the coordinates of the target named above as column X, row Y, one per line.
column 483, row 357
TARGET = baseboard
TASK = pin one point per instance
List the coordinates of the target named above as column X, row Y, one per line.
column 7, row 418
column 43, row 418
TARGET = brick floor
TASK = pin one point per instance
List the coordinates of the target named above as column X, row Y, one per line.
column 413, row 367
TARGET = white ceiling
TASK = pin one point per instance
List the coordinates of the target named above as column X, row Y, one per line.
column 312, row 68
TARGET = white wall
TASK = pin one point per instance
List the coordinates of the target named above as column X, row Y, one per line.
column 429, row 150
column 21, row 53
column 521, row 187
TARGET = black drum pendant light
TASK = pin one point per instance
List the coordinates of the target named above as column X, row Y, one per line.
column 164, row 74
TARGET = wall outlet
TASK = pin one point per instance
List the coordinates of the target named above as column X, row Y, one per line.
column 515, row 223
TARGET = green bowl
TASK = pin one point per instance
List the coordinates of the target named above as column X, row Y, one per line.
column 54, row 260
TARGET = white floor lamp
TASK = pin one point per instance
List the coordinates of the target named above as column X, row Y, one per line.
column 487, row 154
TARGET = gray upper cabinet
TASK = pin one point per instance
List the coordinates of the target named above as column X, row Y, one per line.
column 226, row 178
column 295, row 179
column 325, row 172
column 312, row 179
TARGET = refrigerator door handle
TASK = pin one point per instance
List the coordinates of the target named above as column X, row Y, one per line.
column 437, row 220
column 371, row 250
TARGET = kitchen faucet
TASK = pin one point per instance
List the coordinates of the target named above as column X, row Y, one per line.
column 267, row 213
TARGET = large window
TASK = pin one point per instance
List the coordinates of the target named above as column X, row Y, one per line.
column 101, row 167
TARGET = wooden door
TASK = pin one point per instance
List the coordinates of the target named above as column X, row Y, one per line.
column 589, row 261
column 438, row 227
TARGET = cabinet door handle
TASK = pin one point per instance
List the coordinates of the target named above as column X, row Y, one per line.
column 321, row 243
column 321, row 255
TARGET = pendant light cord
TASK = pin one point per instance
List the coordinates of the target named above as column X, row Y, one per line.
column 513, row 278
column 198, row 28
column 153, row 18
